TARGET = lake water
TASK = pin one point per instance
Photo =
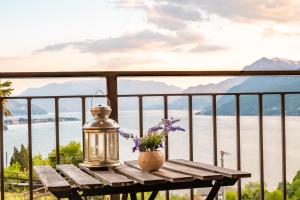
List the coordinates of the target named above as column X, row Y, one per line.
column 43, row 138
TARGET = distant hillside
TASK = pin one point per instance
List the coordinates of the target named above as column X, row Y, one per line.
column 90, row 86
column 20, row 108
column 203, row 101
column 271, row 103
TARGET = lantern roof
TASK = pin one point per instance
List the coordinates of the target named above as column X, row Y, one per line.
column 101, row 119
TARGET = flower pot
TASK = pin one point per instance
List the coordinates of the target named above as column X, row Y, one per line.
column 151, row 160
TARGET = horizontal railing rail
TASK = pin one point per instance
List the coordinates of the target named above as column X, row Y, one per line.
column 145, row 73
column 112, row 93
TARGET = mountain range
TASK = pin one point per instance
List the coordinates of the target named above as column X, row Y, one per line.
column 225, row 104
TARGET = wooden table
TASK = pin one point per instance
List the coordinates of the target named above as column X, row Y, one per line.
column 68, row 181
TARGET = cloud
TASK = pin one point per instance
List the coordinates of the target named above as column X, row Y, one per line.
column 165, row 14
column 207, row 48
column 176, row 14
column 127, row 62
column 272, row 31
column 282, row 11
column 144, row 41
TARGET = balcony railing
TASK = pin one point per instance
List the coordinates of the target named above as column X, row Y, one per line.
column 112, row 93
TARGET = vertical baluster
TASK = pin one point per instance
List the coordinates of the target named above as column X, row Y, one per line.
column 29, row 147
column 215, row 139
column 261, row 146
column 166, row 141
column 57, row 144
column 141, row 116
column 215, row 134
column 190, row 106
column 283, row 147
column 238, row 143
column 1, row 149
column 83, row 120
column 141, row 125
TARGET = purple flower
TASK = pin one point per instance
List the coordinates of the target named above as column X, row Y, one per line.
column 173, row 129
column 154, row 129
column 126, row 135
column 137, row 144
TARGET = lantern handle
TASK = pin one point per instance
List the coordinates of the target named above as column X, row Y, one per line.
column 105, row 96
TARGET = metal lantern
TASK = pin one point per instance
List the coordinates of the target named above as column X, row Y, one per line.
column 101, row 139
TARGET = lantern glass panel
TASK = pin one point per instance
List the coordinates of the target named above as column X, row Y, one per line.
column 112, row 146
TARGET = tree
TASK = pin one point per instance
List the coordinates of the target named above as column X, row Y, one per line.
column 5, row 91
column 38, row 160
column 251, row 191
column 15, row 157
column 20, row 157
column 69, row 154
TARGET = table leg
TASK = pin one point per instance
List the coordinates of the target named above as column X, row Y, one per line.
column 214, row 191
column 153, row 195
column 125, row 196
column 133, row 196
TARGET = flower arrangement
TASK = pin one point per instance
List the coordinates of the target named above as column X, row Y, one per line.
column 155, row 136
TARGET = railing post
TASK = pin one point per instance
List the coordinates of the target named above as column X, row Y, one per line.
column 261, row 147
column 29, row 116
column 112, row 94
column 1, row 150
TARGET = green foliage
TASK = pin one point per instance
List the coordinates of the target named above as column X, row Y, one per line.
column 251, row 191
column 151, row 142
column 38, row 160
column 5, row 91
column 293, row 188
column 275, row 195
column 20, row 157
column 69, row 154
column 231, row 195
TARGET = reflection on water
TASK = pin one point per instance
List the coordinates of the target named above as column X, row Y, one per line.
column 44, row 140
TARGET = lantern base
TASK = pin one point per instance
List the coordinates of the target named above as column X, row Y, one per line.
column 102, row 166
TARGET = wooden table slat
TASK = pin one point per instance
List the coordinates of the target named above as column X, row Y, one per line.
column 139, row 176
column 51, row 179
column 82, row 179
column 108, row 177
column 197, row 173
column 169, row 175
column 231, row 173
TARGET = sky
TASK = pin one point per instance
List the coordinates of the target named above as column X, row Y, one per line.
column 74, row 35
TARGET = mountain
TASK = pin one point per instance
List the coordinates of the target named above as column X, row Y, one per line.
column 271, row 103
column 90, row 86
column 18, row 107
column 202, row 102
column 265, row 64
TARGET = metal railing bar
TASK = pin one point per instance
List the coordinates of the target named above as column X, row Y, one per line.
column 53, row 97
column 238, row 144
column 166, row 115
column 141, row 126
column 206, row 94
column 283, row 147
column 83, row 120
column 141, row 117
column 73, row 74
column 29, row 124
column 191, row 144
column 214, row 123
column 261, row 147
column 190, row 106
column 151, row 95
column 57, row 143
column 1, row 150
